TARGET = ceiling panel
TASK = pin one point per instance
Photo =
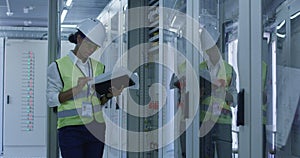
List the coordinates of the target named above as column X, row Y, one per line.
column 38, row 12
column 34, row 13
column 85, row 9
column 2, row 3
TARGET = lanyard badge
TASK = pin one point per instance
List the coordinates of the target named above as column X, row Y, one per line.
column 216, row 109
column 87, row 107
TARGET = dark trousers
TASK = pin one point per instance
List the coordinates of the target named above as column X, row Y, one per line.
column 219, row 139
column 82, row 141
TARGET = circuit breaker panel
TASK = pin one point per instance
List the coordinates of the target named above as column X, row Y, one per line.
column 25, row 105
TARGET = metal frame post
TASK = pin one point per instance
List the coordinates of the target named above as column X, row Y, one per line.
column 53, row 54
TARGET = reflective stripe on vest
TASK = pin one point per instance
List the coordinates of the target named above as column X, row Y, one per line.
column 182, row 68
column 68, row 112
column 264, row 80
column 225, row 112
column 225, row 115
column 74, row 112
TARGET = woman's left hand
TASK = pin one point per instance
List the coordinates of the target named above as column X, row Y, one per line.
column 114, row 92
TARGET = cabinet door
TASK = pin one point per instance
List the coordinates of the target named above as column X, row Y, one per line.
column 282, row 126
column 25, row 98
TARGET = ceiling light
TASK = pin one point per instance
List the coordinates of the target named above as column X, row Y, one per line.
column 173, row 20
column 69, row 2
column 63, row 15
column 173, row 30
column 280, row 25
column 295, row 15
column 267, row 35
column 280, row 35
column 27, row 9
column 68, row 26
column 9, row 12
column 27, row 23
column 65, row 11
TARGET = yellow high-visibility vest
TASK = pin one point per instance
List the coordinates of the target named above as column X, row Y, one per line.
column 225, row 116
column 264, row 80
column 69, row 112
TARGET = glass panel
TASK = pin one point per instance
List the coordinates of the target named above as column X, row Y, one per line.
column 218, row 130
column 295, row 56
column 273, row 43
column 281, row 55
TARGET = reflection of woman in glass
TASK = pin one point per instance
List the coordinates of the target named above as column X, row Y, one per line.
column 217, row 99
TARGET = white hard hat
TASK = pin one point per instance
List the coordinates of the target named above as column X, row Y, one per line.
column 94, row 30
column 209, row 37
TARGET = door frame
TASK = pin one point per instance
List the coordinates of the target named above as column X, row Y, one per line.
column 1, row 92
column 249, row 63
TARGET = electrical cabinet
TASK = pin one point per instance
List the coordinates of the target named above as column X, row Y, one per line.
column 113, row 18
column 25, row 98
column 165, row 25
column 284, row 65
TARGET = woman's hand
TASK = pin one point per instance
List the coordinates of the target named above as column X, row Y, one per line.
column 82, row 81
column 114, row 92
column 69, row 94
column 220, row 83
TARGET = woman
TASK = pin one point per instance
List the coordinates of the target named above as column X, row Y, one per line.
column 81, row 126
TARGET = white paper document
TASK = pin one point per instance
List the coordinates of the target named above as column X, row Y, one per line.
column 288, row 93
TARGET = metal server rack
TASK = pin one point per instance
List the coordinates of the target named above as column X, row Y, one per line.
column 163, row 40
column 114, row 18
column 175, row 46
column 151, row 122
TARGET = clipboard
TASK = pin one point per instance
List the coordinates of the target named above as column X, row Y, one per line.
column 117, row 82
column 205, row 84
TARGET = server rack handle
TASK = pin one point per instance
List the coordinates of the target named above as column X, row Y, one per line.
column 241, row 108
column 7, row 99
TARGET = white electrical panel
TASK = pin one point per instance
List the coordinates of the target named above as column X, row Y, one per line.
column 25, row 106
